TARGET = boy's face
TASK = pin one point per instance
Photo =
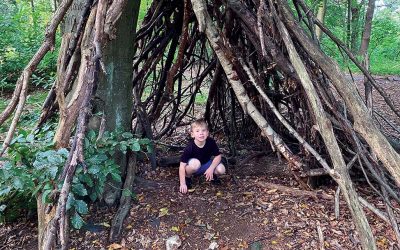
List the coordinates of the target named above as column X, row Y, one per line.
column 199, row 133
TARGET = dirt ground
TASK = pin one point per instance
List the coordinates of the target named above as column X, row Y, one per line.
column 244, row 212
column 249, row 210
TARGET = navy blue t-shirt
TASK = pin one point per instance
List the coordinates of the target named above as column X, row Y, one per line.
column 203, row 154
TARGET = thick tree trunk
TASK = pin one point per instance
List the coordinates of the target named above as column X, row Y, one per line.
column 114, row 97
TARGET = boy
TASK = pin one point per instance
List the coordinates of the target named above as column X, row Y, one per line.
column 196, row 158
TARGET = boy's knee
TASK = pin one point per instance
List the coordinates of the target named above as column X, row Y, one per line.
column 193, row 166
column 220, row 169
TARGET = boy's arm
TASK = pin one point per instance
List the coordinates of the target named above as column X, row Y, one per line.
column 182, row 175
column 210, row 171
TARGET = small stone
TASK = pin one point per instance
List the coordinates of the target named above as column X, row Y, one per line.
column 173, row 243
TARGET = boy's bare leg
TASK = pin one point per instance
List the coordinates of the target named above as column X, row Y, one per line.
column 192, row 167
column 220, row 169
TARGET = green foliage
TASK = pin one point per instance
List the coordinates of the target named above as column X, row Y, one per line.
column 384, row 44
column 33, row 167
column 144, row 6
column 22, row 32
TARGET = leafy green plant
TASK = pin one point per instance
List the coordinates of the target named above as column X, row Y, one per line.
column 34, row 167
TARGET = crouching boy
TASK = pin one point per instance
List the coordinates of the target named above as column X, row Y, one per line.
column 197, row 157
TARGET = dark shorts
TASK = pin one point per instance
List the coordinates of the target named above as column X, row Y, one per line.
column 203, row 168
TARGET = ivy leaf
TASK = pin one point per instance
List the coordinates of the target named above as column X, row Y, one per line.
column 77, row 221
column 81, row 207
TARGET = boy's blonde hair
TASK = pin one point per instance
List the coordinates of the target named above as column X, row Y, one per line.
column 199, row 123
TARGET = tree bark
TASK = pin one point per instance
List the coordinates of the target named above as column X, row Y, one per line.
column 222, row 49
column 326, row 131
column 364, row 52
column 363, row 123
column 320, row 17
column 115, row 86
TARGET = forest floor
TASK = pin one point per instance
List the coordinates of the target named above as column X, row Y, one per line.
column 258, row 206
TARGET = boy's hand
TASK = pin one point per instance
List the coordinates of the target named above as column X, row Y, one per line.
column 183, row 189
column 209, row 174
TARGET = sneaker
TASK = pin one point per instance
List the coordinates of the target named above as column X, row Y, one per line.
column 188, row 181
column 216, row 181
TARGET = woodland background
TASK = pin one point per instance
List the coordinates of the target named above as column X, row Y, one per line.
column 22, row 26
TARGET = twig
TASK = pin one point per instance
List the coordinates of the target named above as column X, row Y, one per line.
column 320, row 236
column 337, row 203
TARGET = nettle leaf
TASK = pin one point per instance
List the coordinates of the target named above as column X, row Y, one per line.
column 81, row 207
column 127, row 135
column 70, row 201
column 5, row 191
column 18, row 183
column 93, row 196
column 86, row 179
column 145, row 141
column 53, row 172
column 86, row 143
column 116, row 177
column 30, row 138
column 94, row 169
column 79, row 189
column 124, row 148
column 150, row 148
column 91, row 135
column 77, row 221
column 97, row 159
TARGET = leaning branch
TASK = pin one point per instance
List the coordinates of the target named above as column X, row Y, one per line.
column 20, row 93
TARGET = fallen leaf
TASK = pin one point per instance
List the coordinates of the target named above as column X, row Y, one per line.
column 114, row 246
column 163, row 212
column 175, row 229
